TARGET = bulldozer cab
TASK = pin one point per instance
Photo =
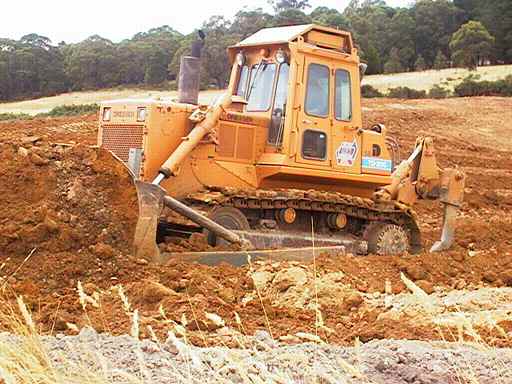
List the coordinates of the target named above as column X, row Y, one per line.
column 303, row 82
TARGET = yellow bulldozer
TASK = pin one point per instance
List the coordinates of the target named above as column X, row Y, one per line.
column 281, row 158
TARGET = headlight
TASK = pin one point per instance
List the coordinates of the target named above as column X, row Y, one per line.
column 107, row 113
column 141, row 114
column 240, row 58
column 281, row 56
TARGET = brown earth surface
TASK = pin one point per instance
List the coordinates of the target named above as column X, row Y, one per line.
column 68, row 212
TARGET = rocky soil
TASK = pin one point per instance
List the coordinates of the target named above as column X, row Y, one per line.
column 121, row 359
column 67, row 220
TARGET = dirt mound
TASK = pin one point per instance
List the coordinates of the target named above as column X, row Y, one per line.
column 58, row 198
column 69, row 129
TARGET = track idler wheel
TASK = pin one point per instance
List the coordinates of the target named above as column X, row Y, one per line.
column 387, row 239
column 228, row 217
column 336, row 221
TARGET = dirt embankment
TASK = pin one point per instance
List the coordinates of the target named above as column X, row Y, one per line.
column 72, row 209
column 58, row 198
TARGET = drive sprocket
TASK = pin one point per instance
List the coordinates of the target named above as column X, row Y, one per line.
column 387, row 239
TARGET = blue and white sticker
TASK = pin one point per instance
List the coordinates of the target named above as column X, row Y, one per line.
column 346, row 153
column 377, row 164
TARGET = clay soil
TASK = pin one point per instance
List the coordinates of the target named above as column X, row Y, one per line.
column 68, row 212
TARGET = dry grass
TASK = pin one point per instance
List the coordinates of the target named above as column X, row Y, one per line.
column 425, row 80
column 45, row 104
column 26, row 359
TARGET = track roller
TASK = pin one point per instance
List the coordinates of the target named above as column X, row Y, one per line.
column 286, row 215
column 336, row 220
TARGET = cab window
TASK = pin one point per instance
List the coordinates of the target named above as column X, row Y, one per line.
column 260, row 87
column 276, row 124
column 343, row 99
column 242, row 81
column 314, row 145
column 317, row 93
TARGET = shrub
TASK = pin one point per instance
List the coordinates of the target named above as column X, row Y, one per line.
column 369, row 91
column 471, row 87
column 173, row 85
column 62, row 110
column 420, row 64
column 406, row 93
column 507, row 89
column 72, row 110
column 438, row 92
column 394, row 65
column 441, row 61
column 14, row 116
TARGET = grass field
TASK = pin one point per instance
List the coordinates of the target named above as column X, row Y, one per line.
column 448, row 78
column 45, row 104
column 416, row 80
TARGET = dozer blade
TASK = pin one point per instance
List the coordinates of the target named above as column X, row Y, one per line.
column 150, row 207
column 447, row 236
column 152, row 199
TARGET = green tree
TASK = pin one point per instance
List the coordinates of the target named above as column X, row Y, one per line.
column 247, row 22
column 496, row 16
column 93, row 63
column 156, row 66
column 156, row 48
column 215, row 63
column 330, row 18
column 291, row 16
column 441, row 61
column 420, row 64
column 132, row 62
column 401, row 36
column 184, row 49
column 282, row 5
column 435, row 22
column 393, row 65
column 372, row 58
column 370, row 22
column 5, row 76
column 471, row 44
column 31, row 66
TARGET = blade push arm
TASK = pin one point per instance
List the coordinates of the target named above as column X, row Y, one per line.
column 419, row 177
column 152, row 197
column 208, row 121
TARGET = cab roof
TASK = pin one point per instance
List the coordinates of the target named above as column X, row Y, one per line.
column 283, row 35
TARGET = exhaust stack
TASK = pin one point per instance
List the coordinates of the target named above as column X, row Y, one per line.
column 190, row 68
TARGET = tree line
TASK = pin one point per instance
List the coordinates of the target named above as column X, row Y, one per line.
column 429, row 34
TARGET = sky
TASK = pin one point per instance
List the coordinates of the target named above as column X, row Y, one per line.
column 75, row 20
